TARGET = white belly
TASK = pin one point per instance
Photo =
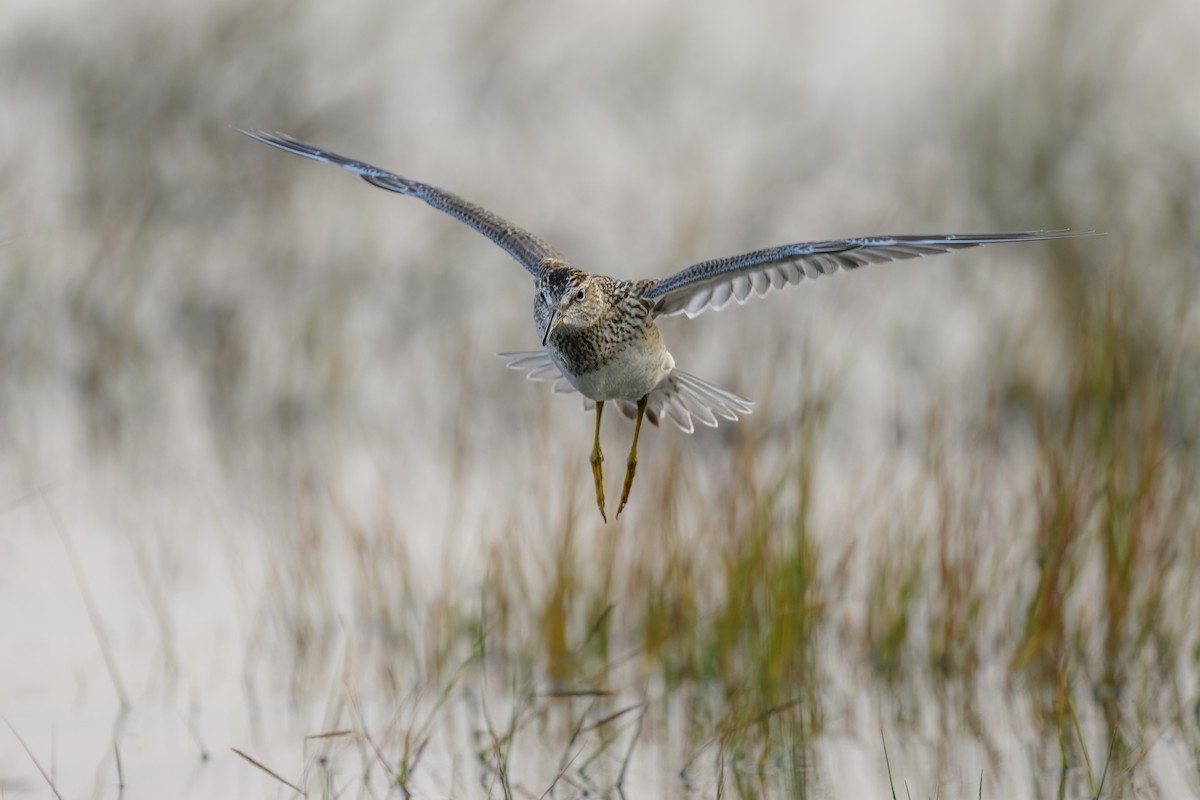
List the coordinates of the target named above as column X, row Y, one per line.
column 631, row 375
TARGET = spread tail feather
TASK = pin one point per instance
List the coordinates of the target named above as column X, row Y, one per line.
column 680, row 397
column 537, row 366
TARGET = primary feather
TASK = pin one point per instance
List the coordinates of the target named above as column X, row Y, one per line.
column 528, row 249
column 712, row 284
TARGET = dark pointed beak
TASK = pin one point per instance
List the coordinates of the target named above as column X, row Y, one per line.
column 554, row 317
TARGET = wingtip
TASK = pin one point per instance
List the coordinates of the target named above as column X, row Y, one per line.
column 257, row 135
column 275, row 139
column 1063, row 233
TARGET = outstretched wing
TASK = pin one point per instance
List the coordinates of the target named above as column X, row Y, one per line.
column 712, row 284
column 519, row 243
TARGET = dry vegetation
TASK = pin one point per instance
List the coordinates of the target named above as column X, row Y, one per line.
column 992, row 558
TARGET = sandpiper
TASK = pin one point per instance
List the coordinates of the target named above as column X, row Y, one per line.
column 598, row 334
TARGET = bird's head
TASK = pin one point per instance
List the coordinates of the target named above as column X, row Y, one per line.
column 573, row 298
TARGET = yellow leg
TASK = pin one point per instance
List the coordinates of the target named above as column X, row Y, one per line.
column 597, row 458
column 631, row 464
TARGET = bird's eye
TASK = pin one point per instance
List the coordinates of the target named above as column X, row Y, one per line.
column 579, row 295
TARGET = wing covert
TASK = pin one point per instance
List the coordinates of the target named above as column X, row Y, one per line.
column 712, row 284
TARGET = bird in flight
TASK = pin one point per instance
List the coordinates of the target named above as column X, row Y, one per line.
column 598, row 333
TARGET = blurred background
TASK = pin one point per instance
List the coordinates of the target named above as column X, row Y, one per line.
column 262, row 476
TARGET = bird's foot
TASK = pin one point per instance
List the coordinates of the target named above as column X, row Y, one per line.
column 598, row 475
column 630, row 469
column 631, row 463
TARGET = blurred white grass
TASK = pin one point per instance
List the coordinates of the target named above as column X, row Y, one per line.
column 222, row 361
